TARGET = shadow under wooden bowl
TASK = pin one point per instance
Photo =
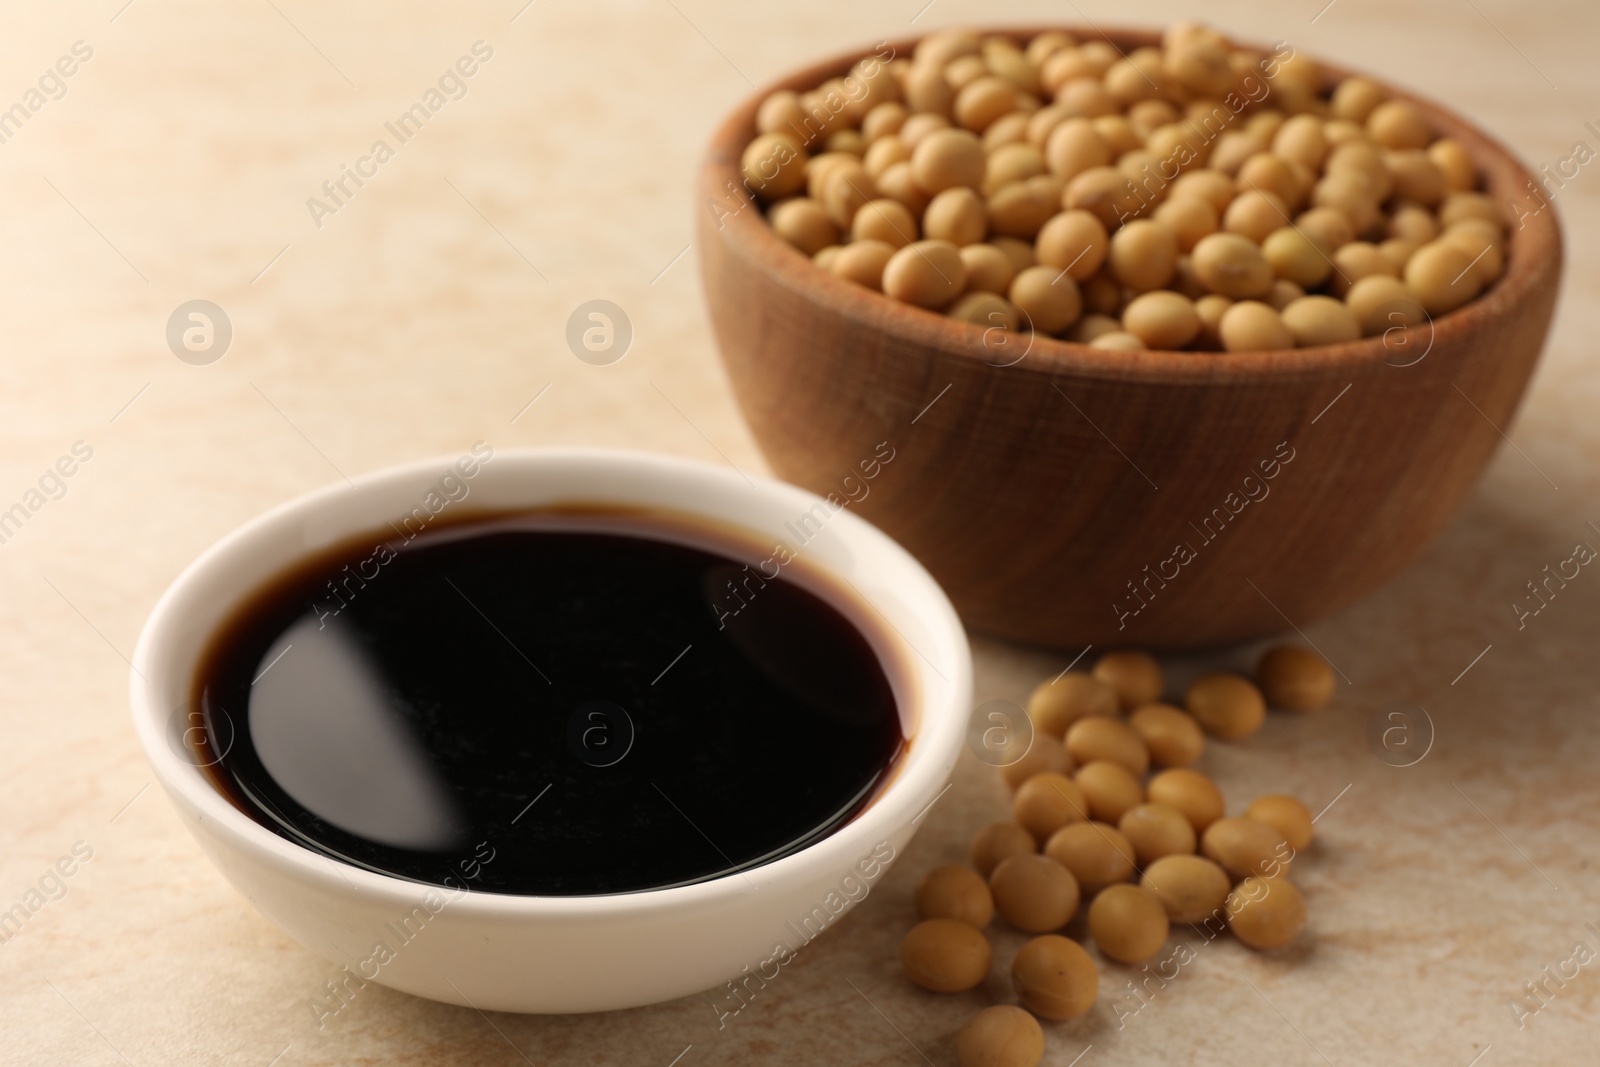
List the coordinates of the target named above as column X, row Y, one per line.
column 1079, row 496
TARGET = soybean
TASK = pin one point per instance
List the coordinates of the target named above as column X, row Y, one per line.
column 1320, row 320
column 805, row 224
column 1440, row 274
column 1073, row 241
column 1226, row 705
column 1033, row 893
column 989, row 270
column 1100, row 738
column 1000, row 1036
column 1097, row 854
column 1284, row 814
column 987, row 310
column 1266, row 913
column 955, row 892
column 1245, row 847
column 1143, row 254
column 1232, row 265
column 774, row 166
column 1045, row 754
column 863, row 262
column 1135, row 677
column 1057, row 704
column 1128, row 923
column 1047, row 802
column 1055, row 978
column 999, row 841
column 945, row 956
column 1294, row 678
column 1157, row 830
column 1190, row 888
column 1109, row 789
column 1162, row 319
column 1073, row 153
column 884, row 220
column 1189, row 791
column 1381, row 303
column 1172, row 735
column 956, row 215
column 947, row 158
column 929, row 274
column 1047, row 298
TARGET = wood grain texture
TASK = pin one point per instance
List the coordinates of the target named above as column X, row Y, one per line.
column 1056, row 496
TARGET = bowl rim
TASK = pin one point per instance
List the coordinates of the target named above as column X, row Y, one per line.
column 1533, row 253
column 921, row 772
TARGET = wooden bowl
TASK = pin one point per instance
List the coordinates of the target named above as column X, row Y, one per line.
column 1080, row 496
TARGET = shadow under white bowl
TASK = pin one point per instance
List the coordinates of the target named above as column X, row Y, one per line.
column 553, row 954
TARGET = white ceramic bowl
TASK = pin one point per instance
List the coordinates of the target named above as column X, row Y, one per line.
column 555, row 954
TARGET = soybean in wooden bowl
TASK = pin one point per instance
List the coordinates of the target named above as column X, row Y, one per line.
column 1066, row 494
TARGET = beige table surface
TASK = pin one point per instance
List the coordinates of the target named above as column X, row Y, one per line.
column 430, row 309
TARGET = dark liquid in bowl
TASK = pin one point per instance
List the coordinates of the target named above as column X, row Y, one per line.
column 550, row 704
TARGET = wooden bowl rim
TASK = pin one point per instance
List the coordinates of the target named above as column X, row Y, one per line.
column 1533, row 253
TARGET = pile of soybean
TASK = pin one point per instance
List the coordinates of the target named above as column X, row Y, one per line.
column 1106, row 809
column 1195, row 195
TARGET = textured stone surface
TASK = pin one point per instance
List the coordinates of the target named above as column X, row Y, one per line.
column 430, row 309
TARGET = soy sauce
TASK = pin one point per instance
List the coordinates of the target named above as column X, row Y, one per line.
column 553, row 703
